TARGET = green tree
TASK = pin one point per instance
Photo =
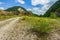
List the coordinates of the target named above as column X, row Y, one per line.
column 57, row 13
column 52, row 15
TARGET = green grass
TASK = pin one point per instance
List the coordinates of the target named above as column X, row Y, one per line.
column 2, row 17
column 40, row 24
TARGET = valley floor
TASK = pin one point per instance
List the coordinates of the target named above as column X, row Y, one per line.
column 12, row 29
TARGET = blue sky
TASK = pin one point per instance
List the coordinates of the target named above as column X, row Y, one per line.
column 36, row 6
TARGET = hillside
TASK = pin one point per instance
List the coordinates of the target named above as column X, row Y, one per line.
column 16, row 10
column 53, row 8
column 57, row 12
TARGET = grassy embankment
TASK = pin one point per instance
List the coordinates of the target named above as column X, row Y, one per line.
column 42, row 25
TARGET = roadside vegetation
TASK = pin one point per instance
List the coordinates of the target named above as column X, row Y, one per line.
column 3, row 17
column 41, row 24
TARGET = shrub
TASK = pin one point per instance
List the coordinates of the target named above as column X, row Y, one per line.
column 52, row 15
column 25, row 17
column 42, row 25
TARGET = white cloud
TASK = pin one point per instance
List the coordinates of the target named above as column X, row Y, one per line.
column 44, row 8
column 39, row 11
column 36, row 10
column 1, row 8
column 20, row 1
column 42, row 2
column 29, row 9
column 54, row 0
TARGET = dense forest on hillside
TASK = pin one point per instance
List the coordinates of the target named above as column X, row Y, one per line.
column 54, row 8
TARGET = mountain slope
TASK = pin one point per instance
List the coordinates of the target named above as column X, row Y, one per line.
column 18, row 10
column 15, row 8
column 53, row 8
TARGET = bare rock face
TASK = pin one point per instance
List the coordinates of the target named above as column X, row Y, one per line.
column 21, row 11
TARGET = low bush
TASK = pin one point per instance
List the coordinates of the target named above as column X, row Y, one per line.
column 52, row 15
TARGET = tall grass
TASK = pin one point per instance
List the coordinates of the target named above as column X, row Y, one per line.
column 42, row 25
column 3, row 17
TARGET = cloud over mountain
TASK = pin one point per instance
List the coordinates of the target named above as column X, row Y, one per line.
column 46, row 5
column 42, row 2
